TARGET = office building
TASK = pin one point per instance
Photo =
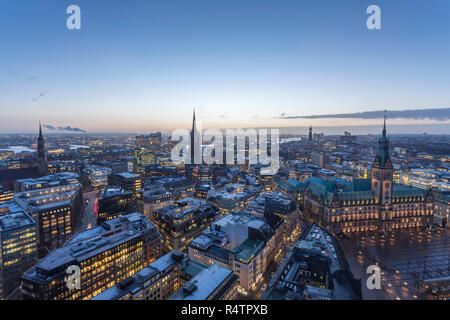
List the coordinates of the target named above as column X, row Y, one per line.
column 95, row 176
column 313, row 270
column 5, row 195
column 215, row 282
column 18, row 246
column 55, row 211
column 183, row 221
column 243, row 242
column 113, row 202
column 105, row 255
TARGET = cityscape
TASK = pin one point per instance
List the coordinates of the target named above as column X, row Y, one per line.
column 119, row 195
column 139, row 226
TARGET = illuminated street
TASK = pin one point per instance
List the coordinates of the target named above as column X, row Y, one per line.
column 89, row 218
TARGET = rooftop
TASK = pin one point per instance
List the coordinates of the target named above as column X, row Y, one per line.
column 13, row 220
column 204, row 284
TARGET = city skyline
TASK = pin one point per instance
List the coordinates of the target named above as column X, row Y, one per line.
column 143, row 67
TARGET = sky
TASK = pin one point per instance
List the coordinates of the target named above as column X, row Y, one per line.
column 144, row 65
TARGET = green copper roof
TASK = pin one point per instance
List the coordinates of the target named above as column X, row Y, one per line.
column 356, row 196
column 404, row 191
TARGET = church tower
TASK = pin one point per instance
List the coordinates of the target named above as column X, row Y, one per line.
column 382, row 170
column 41, row 155
column 310, row 136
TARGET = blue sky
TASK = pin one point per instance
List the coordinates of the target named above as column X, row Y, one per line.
column 142, row 65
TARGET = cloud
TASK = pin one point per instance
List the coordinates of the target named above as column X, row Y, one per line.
column 49, row 127
column 23, row 76
column 41, row 95
column 63, row 129
column 434, row 114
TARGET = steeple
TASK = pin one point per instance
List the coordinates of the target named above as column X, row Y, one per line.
column 310, row 134
column 40, row 144
column 193, row 122
column 40, row 132
column 383, row 134
column 382, row 157
column 41, row 155
column 195, row 143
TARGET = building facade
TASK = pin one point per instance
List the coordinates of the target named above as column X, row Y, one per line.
column 105, row 256
column 368, row 204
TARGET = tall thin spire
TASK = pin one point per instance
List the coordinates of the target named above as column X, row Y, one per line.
column 193, row 121
column 41, row 155
column 40, row 131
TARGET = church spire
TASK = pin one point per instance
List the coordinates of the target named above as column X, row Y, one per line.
column 41, row 155
column 193, row 121
column 40, row 132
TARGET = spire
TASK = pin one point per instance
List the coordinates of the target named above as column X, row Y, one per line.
column 193, row 121
column 40, row 131
column 383, row 146
column 384, row 126
column 41, row 155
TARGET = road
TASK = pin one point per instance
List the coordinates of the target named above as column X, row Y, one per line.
column 402, row 258
column 89, row 219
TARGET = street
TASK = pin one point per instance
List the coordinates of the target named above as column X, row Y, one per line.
column 89, row 219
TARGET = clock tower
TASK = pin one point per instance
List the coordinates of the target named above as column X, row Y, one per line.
column 382, row 171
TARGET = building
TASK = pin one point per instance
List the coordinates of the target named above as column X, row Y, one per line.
column 5, row 195
column 215, row 282
column 441, row 207
column 55, row 211
column 347, row 138
column 50, row 181
column 62, row 166
column 314, row 269
column 243, row 242
column 127, row 181
column 232, row 198
column 180, row 187
column 113, row 202
column 106, row 255
column 143, row 157
column 368, row 204
column 18, row 246
column 285, row 207
column 319, row 159
column 95, row 176
column 155, row 199
column 152, row 139
column 183, row 221
column 164, row 277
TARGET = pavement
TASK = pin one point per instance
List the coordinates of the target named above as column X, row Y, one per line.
column 403, row 257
